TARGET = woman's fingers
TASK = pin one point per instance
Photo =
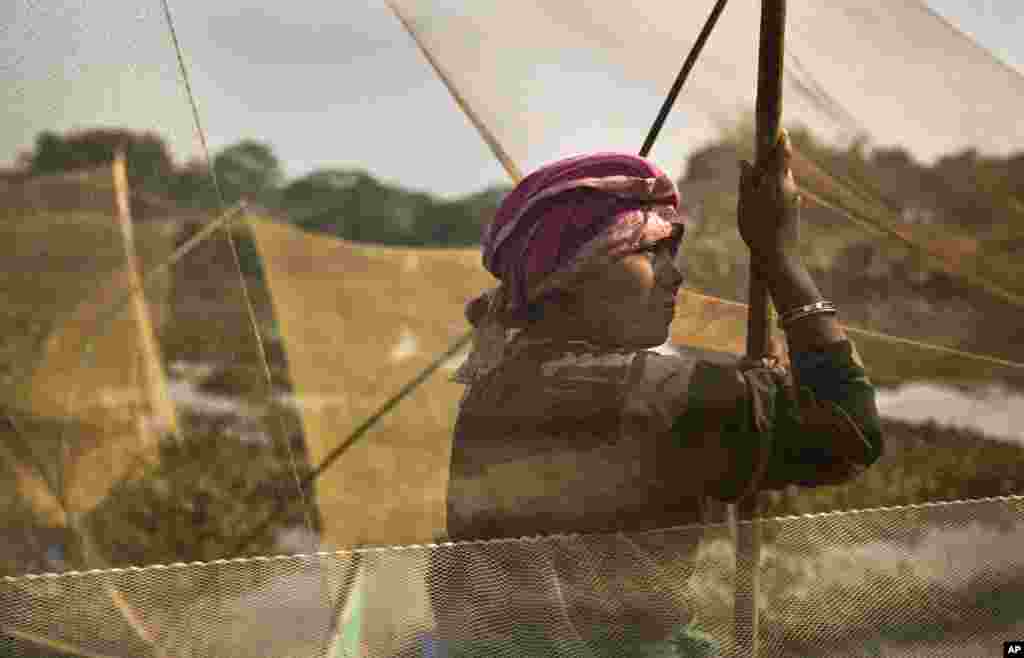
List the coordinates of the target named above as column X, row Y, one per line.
column 746, row 169
column 777, row 163
column 784, row 151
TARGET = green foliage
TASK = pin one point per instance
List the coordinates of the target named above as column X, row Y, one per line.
column 208, row 491
column 964, row 188
column 352, row 205
column 192, row 187
column 147, row 157
column 362, row 209
column 248, row 169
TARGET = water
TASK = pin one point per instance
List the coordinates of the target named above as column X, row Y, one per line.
column 991, row 409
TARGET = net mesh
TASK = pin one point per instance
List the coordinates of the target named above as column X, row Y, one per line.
column 898, row 75
column 898, row 581
column 151, row 544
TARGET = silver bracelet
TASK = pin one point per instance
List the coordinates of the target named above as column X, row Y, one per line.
column 817, row 308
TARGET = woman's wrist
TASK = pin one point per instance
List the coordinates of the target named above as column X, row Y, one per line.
column 791, row 287
column 788, row 280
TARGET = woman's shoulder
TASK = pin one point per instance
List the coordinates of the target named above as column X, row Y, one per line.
column 675, row 365
column 665, row 382
column 537, row 378
column 656, row 383
column 664, row 370
column 572, row 360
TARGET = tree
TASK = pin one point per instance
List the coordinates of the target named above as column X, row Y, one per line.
column 355, row 206
column 249, row 169
column 149, row 161
column 716, row 162
column 320, row 191
column 192, row 187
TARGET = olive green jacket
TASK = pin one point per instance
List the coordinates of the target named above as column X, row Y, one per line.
column 569, row 437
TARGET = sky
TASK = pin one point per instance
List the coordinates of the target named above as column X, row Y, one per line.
column 340, row 84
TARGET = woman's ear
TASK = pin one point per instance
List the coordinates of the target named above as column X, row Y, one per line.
column 561, row 304
column 476, row 309
column 569, row 302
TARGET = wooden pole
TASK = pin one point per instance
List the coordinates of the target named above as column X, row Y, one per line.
column 759, row 322
column 162, row 418
column 677, row 86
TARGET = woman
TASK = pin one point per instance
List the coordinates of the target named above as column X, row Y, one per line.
column 570, row 424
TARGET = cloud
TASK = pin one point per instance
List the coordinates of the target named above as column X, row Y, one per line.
column 270, row 37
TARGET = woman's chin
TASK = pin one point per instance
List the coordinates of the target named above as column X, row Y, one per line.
column 653, row 339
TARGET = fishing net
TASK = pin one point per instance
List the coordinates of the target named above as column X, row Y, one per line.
column 224, row 387
column 899, row 75
column 876, row 582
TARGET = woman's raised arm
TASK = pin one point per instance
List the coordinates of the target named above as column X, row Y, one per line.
column 819, row 424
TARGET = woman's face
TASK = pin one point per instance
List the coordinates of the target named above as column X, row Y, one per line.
column 632, row 302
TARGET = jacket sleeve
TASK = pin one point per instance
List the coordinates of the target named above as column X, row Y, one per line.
column 817, row 426
column 828, row 432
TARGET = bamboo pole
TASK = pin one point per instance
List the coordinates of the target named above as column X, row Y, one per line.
column 161, row 419
column 684, row 73
column 759, row 344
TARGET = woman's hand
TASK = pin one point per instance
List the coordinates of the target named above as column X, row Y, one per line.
column 769, row 221
column 769, row 206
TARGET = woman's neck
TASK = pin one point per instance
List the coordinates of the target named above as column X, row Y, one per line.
column 548, row 330
column 558, row 327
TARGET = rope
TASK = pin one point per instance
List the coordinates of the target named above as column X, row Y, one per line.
column 492, row 142
column 250, row 309
column 1014, row 499
column 360, row 431
column 882, row 336
column 408, row 389
column 85, row 360
column 684, row 73
column 307, row 506
column 879, row 226
column 514, row 173
column 110, row 313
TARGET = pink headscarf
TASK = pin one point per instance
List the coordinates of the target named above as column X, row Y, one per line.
column 564, row 219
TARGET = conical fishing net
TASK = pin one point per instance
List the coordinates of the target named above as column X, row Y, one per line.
column 228, row 433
